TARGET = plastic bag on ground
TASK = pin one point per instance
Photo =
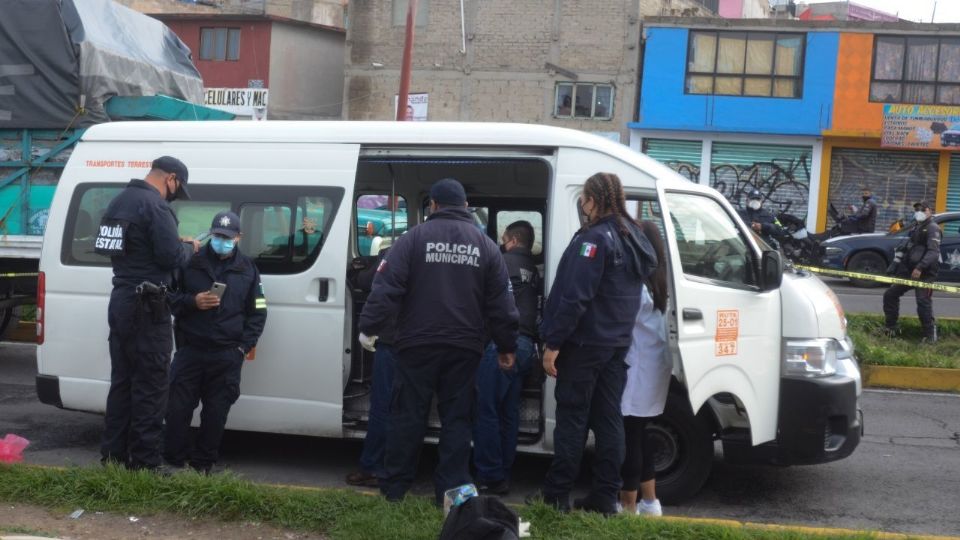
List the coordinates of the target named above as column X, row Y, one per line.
column 11, row 448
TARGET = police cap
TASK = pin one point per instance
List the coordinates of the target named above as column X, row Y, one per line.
column 172, row 165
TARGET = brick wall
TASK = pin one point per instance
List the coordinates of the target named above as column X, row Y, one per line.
column 325, row 12
column 506, row 72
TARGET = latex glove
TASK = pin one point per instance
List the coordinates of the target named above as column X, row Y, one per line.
column 367, row 342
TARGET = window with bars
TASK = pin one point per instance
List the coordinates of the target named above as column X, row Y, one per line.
column 220, row 44
column 760, row 64
column 584, row 100
column 916, row 69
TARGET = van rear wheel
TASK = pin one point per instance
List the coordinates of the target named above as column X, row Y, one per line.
column 683, row 450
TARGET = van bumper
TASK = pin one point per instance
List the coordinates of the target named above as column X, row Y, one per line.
column 819, row 422
column 48, row 390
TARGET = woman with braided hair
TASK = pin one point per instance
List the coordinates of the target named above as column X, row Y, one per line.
column 587, row 324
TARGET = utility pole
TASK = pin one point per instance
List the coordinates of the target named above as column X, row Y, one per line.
column 404, row 93
column 934, row 16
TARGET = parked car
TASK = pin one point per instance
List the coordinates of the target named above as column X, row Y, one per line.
column 872, row 253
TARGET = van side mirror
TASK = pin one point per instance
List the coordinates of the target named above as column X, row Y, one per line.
column 771, row 270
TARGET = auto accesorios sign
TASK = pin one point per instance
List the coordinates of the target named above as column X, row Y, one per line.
column 923, row 127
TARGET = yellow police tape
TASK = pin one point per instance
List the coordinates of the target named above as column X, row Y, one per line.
column 882, row 279
column 16, row 275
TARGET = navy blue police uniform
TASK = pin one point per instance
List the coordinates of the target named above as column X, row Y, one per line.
column 770, row 227
column 588, row 317
column 922, row 252
column 139, row 234
column 446, row 283
column 212, row 346
column 498, row 391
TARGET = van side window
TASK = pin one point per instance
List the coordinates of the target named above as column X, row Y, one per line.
column 195, row 216
column 284, row 227
column 86, row 209
column 710, row 244
column 506, row 217
column 379, row 222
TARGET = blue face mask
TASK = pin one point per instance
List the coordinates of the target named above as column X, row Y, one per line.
column 223, row 246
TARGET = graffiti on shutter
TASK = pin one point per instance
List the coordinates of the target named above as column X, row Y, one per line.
column 953, row 185
column 781, row 173
column 897, row 179
column 681, row 156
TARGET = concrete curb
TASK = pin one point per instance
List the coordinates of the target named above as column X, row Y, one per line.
column 911, row 378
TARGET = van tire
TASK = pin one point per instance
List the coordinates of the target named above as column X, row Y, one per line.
column 9, row 318
column 683, row 450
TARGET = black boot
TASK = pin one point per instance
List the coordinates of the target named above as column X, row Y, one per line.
column 930, row 335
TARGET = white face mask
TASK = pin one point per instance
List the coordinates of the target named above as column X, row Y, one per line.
column 920, row 215
column 754, row 204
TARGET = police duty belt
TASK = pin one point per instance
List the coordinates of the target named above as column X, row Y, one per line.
column 882, row 279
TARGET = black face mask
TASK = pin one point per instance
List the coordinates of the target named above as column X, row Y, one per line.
column 582, row 214
column 866, row 198
column 171, row 195
column 503, row 248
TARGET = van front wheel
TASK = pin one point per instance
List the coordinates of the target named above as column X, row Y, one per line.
column 683, row 450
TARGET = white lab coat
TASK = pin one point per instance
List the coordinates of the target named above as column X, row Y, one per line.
column 649, row 365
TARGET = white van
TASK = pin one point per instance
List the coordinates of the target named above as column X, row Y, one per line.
column 762, row 362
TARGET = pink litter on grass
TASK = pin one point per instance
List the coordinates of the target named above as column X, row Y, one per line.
column 11, row 448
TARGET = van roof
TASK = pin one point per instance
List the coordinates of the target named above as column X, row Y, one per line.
column 377, row 133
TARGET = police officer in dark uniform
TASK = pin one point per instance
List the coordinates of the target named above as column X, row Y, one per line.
column 139, row 234
column 761, row 220
column 587, row 324
column 865, row 220
column 384, row 358
column 922, row 254
column 498, row 391
column 447, row 285
column 215, row 334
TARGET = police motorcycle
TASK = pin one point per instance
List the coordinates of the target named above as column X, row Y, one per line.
column 796, row 244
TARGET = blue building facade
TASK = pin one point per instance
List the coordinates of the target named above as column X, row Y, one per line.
column 739, row 107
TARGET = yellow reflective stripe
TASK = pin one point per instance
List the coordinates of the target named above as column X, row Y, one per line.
column 15, row 275
column 882, row 279
column 261, row 303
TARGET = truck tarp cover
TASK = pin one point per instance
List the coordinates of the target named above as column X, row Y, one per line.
column 52, row 52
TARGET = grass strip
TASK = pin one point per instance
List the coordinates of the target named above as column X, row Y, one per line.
column 339, row 514
column 874, row 348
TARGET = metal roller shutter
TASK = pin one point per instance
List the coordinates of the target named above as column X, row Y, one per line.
column 681, row 156
column 898, row 179
column 953, row 185
column 781, row 173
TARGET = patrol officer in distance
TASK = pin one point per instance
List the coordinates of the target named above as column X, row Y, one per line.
column 216, row 334
column 447, row 285
column 922, row 253
column 139, row 234
column 761, row 220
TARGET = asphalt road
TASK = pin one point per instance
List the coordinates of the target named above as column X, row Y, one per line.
column 861, row 300
column 904, row 477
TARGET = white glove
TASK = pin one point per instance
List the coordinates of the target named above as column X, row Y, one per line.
column 367, row 342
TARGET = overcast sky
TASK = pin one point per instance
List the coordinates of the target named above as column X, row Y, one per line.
column 914, row 10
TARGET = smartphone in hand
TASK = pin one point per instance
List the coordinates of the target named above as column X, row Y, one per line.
column 217, row 289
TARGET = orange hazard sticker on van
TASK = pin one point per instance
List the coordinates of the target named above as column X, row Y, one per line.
column 728, row 332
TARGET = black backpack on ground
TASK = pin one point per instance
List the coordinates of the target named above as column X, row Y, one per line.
column 481, row 518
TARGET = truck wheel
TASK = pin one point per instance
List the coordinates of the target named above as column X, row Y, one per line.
column 867, row 262
column 683, row 450
column 9, row 317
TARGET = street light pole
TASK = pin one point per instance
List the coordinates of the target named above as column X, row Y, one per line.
column 402, row 98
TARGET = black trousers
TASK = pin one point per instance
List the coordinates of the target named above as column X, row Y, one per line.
column 638, row 466
column 420, row 373
column 590, row 383
column 139, row 359
column 211, row 378
column 891, row 306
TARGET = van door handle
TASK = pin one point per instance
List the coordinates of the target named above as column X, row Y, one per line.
column 324, row 290
column 692, row 314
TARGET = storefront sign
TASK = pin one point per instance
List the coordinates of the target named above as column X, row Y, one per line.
column 416, row 107
column 240, row 101
column 926, row 127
